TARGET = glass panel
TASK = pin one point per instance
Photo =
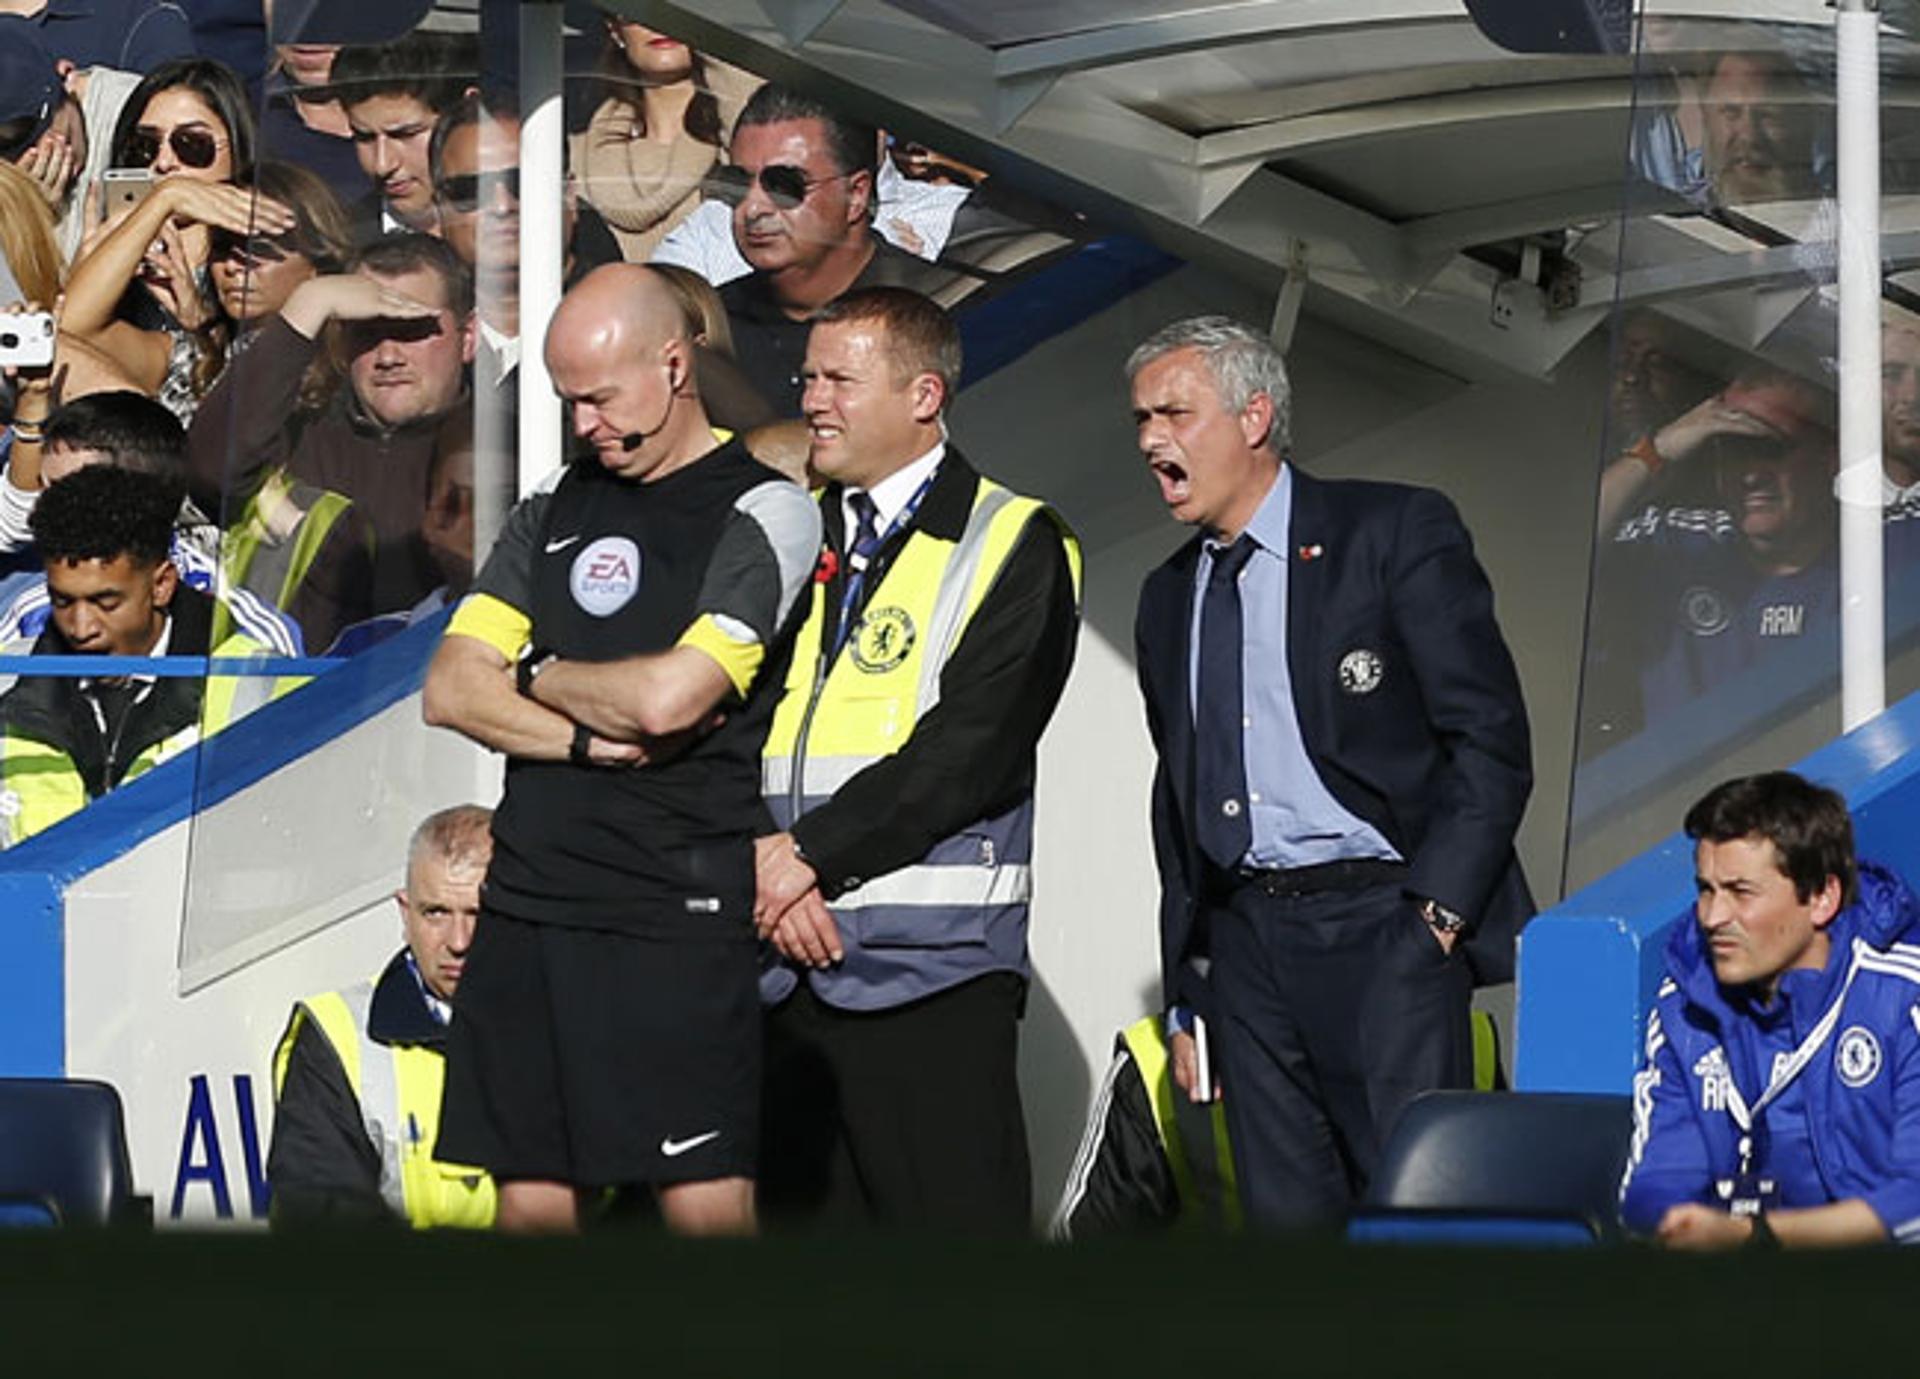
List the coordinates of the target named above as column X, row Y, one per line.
column 360, row 438
column 1713, row 625
column 337, row 450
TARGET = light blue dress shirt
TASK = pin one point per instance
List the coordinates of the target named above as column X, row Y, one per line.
column 1296, row 820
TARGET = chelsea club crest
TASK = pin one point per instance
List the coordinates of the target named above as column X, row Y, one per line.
column 1857, row 1059
column 1361, row 671
column 882, row 640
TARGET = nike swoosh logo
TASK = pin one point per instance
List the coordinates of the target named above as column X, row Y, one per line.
column 562, row 543
column 673, row 1148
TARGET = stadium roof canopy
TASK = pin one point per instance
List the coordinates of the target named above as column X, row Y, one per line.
column 1429, row 185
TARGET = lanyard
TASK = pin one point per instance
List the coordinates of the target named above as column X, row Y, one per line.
column 1784, row 1073
column 850, row 594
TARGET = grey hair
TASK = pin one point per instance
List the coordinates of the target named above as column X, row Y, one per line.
column 1242, row 361
column 462, row 837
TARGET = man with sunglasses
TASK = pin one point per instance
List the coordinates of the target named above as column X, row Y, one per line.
column 404, row 320
column 474, row 158
column 802, row 182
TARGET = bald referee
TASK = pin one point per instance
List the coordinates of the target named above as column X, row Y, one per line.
column 623, row 647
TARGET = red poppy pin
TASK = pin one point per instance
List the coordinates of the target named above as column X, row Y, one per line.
column 827, row 566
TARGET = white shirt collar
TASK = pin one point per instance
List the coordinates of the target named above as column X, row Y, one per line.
column 506, row 349
column 894, row 492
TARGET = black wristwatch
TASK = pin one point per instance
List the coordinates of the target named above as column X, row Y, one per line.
column 528, row 669
column 1440, row 919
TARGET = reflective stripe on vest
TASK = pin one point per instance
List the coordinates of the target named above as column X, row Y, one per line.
column 970, row 890
column 40, row 785
column 398, row 1088
column 1204, row 1177
column 257, row 555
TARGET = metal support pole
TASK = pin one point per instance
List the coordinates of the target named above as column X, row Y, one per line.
column 1863, row 677
column 542, row 231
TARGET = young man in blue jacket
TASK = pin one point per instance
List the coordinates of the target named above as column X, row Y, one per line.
column 1780, row 1102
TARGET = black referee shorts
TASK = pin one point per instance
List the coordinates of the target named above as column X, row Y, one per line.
column 600, row 1058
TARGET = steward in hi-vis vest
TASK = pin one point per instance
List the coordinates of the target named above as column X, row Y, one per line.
column 900, row 771
column 305, row 550
column 65, row 739
column 375, row 1050
column 357, row 1076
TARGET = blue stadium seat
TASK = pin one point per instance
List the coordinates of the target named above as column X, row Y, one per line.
column 1507, row 1168
column 63, row 1155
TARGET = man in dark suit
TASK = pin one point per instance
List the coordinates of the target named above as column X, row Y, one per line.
column 1343, row 762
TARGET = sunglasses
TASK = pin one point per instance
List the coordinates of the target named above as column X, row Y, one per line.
column 784, row 185
column 466, row 191
column 362, row 336
column 193, row 146
column 255, row 249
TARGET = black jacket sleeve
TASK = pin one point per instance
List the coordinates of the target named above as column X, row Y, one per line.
column 1121, row 1183
column 972, row 754
column 322, row 1167
column 1443, row 609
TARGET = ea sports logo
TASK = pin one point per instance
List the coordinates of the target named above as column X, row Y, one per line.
column 605, row 575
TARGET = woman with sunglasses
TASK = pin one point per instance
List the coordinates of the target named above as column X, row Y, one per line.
column 657, row 133
column 253, row 275
column 139, row 290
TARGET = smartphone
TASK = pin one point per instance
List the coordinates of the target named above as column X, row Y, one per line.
column 121, row 189
column 26, row 339
column 1203, row 1049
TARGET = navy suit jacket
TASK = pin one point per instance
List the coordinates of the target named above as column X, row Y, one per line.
column 1435, row 755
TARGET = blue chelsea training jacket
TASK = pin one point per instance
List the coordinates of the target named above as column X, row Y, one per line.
column 1835, row 1058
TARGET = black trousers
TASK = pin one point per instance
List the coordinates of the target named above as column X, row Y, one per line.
column 1333, row 1010
column 908, row 1117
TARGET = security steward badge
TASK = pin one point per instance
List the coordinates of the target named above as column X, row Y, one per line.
column 605, row 575
column 1361, row 671
column 882, row 640
column 1858, row 1057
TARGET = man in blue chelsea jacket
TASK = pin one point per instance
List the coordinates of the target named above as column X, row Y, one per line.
column 1780, row 1102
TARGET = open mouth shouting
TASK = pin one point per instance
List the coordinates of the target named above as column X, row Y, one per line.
column 1175, row 486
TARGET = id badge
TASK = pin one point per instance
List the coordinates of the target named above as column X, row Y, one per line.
column 1747, row 1194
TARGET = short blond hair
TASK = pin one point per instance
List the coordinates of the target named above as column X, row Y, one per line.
column 462, row 837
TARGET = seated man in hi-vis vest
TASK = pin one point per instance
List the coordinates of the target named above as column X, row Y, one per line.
column 66, row 740
column 357, row 1075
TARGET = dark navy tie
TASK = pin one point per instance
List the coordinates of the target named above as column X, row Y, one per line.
column 1221, row 820
column 860, row 553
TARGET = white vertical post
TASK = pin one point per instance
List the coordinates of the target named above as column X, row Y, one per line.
column 1863, row 678
column 542, row 233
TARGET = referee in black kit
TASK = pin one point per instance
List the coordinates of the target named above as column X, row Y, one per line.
column 623, row 647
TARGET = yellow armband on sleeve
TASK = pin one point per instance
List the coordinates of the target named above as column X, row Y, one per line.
column 739, row 659
column 493, row 621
